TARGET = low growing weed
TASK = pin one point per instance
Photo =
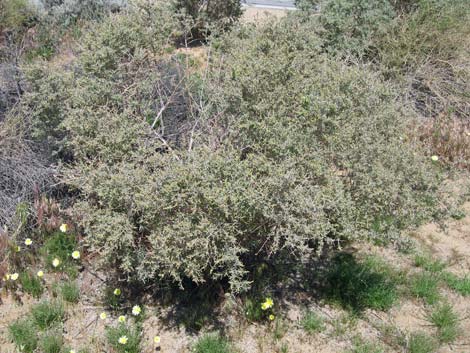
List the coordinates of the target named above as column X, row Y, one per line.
column 420, row 342
column 428, row 263
column 425, row 286
column 70, row 292
column 365, row 347
column 460, row 285
column 51, row 342
column 47, row 313
column 60, row 246
column 22, row 335
column 360, row 285
column 31, row 284
column 312, row 322
column 129, row 334
column 446, row 321
column 212, row 343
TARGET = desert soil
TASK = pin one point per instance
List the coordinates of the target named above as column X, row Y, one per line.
column 450, row 243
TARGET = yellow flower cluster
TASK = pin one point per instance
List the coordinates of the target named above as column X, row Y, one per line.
column 11, row 276
column 267, row 304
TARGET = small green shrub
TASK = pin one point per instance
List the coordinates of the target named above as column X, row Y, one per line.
column 446, row 321
column 51, row 342
column 70, row 292
column 460, row 285
column 421, row 343
column 47, row 313
column 312, row 322
column 360, row 285
column 426, row 286
column 31, row 284
column 212, row 343
column 133, row 336
column 22, row 333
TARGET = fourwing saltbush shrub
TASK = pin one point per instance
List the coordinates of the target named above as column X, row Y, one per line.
column 290, row 150
column 349, row 27
column 279, row 97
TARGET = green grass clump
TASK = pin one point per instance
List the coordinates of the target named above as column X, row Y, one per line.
column 429, row 264
column 22, row 333
column 51, row 343
column 446, row 322
column 360, row 285
column 312, row 322
column 70, row 292
column 133, row 338
column 421, row 343
column 366, row 347
column 48, row 313
column 460, row 285
column 31, row 284
column 212, row 343
column 344, row 323
column 425, row 286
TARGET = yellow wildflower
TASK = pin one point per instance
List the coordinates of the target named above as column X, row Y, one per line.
column 103, row 316
column 123, row 340
column 63, row 228
column 72, row 351
column 117, row 291
column 14, row 276
column 6, row 277
column 56, row 262
column 136, row 310
column 76, row 255
column 40, row 273
column 18, row 249
column 28, row 241
column 434, row 158
column 268, row 303
column 271, row 317
column 122, row 319
column 156, row 339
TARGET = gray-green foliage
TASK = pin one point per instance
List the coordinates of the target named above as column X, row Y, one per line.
column 350, row 26
column 306, row 107
column 288, row 150
column 206, row 14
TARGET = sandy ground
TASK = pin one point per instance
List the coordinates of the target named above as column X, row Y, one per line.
column 450, row 243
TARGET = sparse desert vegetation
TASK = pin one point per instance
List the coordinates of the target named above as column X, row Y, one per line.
column 177, row 178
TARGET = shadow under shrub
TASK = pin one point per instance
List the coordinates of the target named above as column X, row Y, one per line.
column 361, row 285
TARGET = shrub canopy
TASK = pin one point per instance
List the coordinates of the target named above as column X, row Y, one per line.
column 275, row 149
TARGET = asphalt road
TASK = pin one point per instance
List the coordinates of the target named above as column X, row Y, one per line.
column 280, row 4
